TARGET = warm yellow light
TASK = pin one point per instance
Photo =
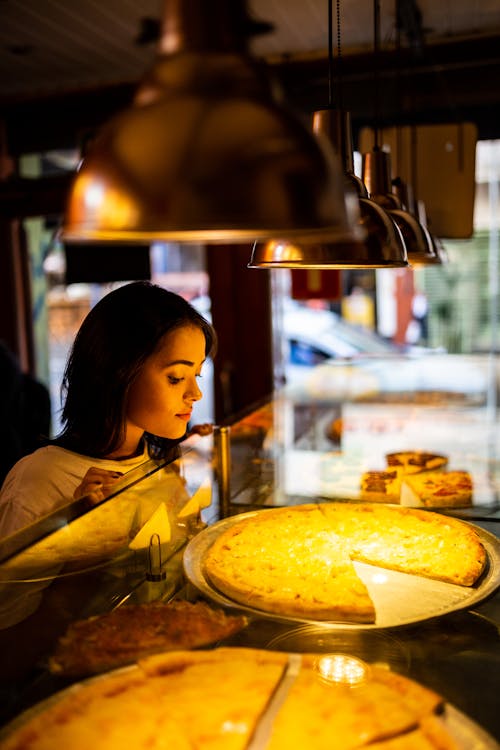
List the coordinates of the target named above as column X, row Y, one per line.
column 342, row 669
column 105, row 204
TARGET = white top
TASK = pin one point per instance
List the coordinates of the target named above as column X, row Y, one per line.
column 46, row 480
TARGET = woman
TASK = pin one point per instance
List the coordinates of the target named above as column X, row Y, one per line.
column 130, row 384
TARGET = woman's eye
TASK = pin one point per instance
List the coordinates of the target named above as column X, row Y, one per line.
column 173, row 380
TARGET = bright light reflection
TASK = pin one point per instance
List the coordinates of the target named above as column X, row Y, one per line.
column 235, row 727
column 380, row 578
column 93, row 194
column 340, row 668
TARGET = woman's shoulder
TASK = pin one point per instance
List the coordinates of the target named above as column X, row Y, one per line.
column 37, row 484
column 47, row 458
column 50, row 469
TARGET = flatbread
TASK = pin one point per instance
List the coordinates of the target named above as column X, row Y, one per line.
column 130, row 632
column 215, row 700
column 298, row 561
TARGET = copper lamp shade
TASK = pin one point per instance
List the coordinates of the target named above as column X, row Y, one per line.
column 206, row 153
column 376, row 175
column 367, row 237
column 382, row 247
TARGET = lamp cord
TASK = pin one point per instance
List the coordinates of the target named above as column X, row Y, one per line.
column 330, row 54
column 339, row 56
column 376, row 50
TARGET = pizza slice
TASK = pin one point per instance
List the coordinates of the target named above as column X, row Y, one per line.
column 383, row 706
column 410, row 540
column 413, row 462
column 120, row 637
column 437, row 489
column 381, row 486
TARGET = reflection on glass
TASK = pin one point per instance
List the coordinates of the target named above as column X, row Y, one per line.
column 342, row 669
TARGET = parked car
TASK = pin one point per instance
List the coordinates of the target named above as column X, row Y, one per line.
column 314, row 336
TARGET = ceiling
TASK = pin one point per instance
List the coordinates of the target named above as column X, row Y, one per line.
column 49, row 46
column 50, row 49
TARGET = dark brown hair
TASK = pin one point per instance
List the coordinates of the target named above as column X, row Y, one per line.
column 117, row 336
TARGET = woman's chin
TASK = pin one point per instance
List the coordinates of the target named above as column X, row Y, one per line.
column 180, row 433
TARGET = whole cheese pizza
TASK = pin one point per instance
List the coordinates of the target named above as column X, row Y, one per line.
column 434, row 489
column 298, row 561
column 122, row 636
column 222, row 699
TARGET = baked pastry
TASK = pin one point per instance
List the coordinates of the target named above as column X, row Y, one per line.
column 127, row 633
column 385, row 486
column 297, row 561
column 432, row 489
column 411, row 462
column 381, row 486
column 219, row 699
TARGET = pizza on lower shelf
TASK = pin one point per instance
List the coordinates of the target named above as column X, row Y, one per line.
column 435, row 489
column 297, row 561
column 120, row 637
column 217, row 699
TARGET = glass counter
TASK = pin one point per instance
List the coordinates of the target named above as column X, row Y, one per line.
column 308, row 443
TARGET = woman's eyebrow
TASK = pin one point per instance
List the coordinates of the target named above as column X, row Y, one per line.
column 186, row 362
column 179, row 362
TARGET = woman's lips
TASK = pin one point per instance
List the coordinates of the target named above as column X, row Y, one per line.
column 186, row 417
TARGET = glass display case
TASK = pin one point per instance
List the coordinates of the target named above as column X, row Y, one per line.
column 309, row 443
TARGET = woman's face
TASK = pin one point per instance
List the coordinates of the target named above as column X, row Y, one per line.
column 162, row 396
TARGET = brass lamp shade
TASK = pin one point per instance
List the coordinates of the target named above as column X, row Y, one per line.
column 368, row 239
column 382, row 247
column 418, row 241
column 440, row 254
column 206, row 153
column 376, row 175
column 441, row 251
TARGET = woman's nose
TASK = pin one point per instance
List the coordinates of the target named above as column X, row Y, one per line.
column 194, row 393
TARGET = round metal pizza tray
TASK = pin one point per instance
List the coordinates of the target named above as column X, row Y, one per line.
column 466, row 732
column 399, row 598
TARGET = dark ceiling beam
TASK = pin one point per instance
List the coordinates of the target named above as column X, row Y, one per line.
column 21, row 198
column 447, row 81
column 60, row 121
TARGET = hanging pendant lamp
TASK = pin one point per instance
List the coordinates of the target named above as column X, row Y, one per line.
column 373, row 239
column 404, row 192
column 376, row 175
column 366, row 237
column 437, row 244
column 205, row 153
column 417, row 207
